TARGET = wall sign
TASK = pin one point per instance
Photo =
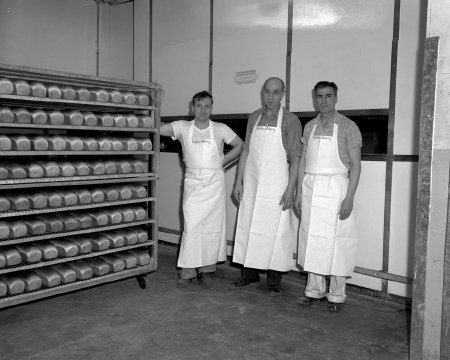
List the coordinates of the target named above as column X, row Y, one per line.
column 245, row 77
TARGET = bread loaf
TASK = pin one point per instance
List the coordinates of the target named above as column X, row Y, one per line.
column 139, row 213
column 38, row 200
column 39, row 117
column 20, row 143
column 124, row 167
column 6, row 86
column 138, row 191
column 84, row 196
column 2, row 261
column 137, row 166
column 145, row 144
column 22, row 88
column 54, row 92
column 22, row 116
column 100, row 95
column 146, row 122
column 16, row 171
column 81, row 168
column 120, row 120
column 129, row 260
column 5, row 143
column 83, row 270
column 14, row 284
column 73, row 118
column 124, row 192
column 12, row 256
column 83, row 94
column 114, row 216
column 4, row 230
column 111, row 194
column 56, row 143
column 65, row 247
column 132, row 121
column 90, row 144
column 29, row 253
column 53, row 224
column 142, row 99
column 3, row 289
column 32, row 281
column 18, row 229
column 66, row 273
column 4, row 173
column 129, row 98
column 141, row 234
column 56, row 117
column 18, row 202
column 106, row 120
column 70, row 223
column 50, row 168
column 49, row 277
column 6, row 115
column 4, row 204
column 97, row 195
column 97, row 168
column 100, row 243
column 48, row 250
column 68, row 93
column 34, row 170
column 115, row 239
column 54, row 199
column 116, row 144
column 66, row 169
column 115, row 97
column 142, row 256
column 39, row 143
column 104, row 144
column 115, row 263
column 89, row 119
column 38, row 89
column 35, row 226
column 110, row 167
column 73, row 143
column 127, row 215
column 83, row 244
column 99, row 267
column 99, row 218
column 130, row 144
column 130, row 237
column 84, row 220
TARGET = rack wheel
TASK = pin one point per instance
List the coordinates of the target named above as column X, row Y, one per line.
column 141, row 281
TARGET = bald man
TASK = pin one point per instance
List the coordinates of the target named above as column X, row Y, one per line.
column 266, row 233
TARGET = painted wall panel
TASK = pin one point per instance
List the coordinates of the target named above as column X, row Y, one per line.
column 409, row 75
column 49, row 34
column 141, row 40
column 250, row 36
column 180, row 51
column 345, row 41
column 116, row 41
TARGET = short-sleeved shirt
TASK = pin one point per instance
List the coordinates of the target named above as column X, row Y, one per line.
column 291, row 132
column 222, row 133
column 349, row 136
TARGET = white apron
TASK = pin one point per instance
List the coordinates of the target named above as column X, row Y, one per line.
column 204, row 236
column 266, row 236
column 327, row 245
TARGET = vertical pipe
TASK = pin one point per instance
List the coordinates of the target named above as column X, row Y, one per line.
column 289, row 54
column 134, row 35
column 150, row 45
column 211, row 52
column 390, row 147
column 97, row 52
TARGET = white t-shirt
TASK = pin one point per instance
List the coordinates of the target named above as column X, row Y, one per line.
column 222, row 133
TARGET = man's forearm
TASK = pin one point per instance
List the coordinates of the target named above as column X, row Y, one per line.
column 293, row 172
column 232, row 154
column 241, row 166
column 353, row 179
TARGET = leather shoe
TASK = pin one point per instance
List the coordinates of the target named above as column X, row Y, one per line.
column 306, row 300
column 335, row 307
column 245, row 282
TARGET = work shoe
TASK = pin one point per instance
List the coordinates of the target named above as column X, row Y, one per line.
column 244, row 282
column 205, row 279
column 184, row 283
column 335, row 307
column 307, row 300
column 274, row 290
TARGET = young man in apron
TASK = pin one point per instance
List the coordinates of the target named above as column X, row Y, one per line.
column 203, row 243
column 328, row 177
column 266, row 232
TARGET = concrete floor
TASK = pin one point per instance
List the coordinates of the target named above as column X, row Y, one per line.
column 121, row 321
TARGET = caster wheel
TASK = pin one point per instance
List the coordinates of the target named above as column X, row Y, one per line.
column 141, row 281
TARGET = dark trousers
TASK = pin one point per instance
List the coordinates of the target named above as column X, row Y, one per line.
column 273, row 276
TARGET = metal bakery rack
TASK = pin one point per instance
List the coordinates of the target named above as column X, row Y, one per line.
column 79, row 161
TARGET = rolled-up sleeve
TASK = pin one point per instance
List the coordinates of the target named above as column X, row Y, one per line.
column 293, row 135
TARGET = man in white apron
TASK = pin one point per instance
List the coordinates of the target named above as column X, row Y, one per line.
column 266, row 232
column 203, row 243
column 328, row 177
